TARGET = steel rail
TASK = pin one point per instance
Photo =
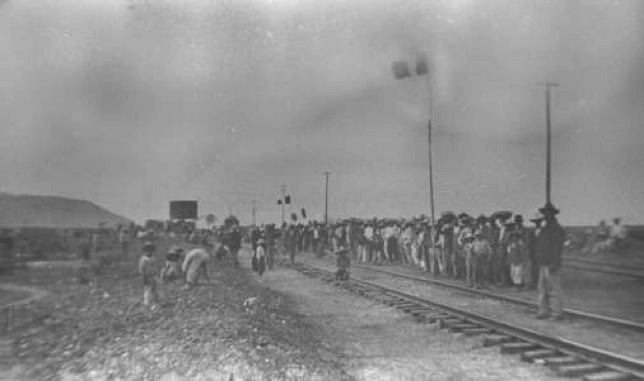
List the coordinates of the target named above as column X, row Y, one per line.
column 571, row 312
column 590, row 354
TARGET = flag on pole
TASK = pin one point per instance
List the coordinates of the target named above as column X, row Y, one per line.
column 422, row 67
column 400, row 69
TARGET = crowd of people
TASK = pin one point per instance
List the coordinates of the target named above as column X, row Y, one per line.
column 498, row 250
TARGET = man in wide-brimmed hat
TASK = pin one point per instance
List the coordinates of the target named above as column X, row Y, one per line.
column 550, row 245
column 531, row 240
column 503, row 268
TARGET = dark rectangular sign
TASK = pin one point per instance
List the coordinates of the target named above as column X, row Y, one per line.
column 183, row 210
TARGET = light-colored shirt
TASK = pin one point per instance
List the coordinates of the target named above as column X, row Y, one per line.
column 618, row 231
column 146, row 270
column 260, row 252
column 195, row 257
column 368, row 233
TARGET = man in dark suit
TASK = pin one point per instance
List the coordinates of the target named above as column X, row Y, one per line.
column 550, row 245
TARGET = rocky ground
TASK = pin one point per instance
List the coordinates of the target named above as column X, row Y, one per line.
column 283, row 327
column 233, row 329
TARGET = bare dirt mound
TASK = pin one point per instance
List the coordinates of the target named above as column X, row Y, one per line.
column 21, row 211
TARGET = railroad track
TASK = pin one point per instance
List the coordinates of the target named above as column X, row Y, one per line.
column 567, row 358
column 604, row 267
column 631, row 325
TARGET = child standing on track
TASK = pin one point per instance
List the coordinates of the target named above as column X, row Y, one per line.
column 343, row 262
column 146, row 270
column 483, row 256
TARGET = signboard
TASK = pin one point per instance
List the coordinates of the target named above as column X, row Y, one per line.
column 183, row 210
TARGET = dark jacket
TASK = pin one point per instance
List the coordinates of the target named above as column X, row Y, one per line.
column 550, row 244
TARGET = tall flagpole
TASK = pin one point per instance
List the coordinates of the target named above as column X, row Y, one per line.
column 548, row 86
column 432, row 257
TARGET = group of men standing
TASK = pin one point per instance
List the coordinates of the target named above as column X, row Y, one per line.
column 497, row 250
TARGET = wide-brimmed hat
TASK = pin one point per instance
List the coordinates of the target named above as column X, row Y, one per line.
column 518, row 218
column 175, row 250
column 536, row 217
column 481, row 218
column 501, row 215
column 549, row 209
column 149, row 246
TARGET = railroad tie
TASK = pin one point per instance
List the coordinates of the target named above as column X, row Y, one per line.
column 476, row 331
column 419, row 312
column 446, row 323
column 608, row 375
column 492, row 340
column 396, row 302
column 454, row 328
column 434, row 317
column 520, row 347
column 539, row 354
column 561, row 361
column 578, row 370
column 409, row 307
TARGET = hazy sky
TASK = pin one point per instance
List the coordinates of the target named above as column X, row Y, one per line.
column 133, row 104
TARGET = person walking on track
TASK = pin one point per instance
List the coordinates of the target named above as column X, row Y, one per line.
column 550, row 244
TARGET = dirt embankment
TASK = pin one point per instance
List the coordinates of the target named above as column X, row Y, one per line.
column 100, row 331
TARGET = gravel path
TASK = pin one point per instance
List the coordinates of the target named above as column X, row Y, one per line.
column 382, row 343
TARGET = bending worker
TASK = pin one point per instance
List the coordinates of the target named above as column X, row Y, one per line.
column 196, row 265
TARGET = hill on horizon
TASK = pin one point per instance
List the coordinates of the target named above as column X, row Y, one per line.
column 30, row 211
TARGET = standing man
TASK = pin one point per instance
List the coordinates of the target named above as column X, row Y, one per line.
column 550, row 244
column 617, row 236
column 492, row 235
column 533, row 235
column 315, row 237
column 146, row 269
column 368, row 243
column 269, row 241
column 124, row 239
column 234, row 245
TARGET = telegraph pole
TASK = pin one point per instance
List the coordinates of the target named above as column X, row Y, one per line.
column 326, row 199
column 283, row 201
column 254, row 220
column 548, row 86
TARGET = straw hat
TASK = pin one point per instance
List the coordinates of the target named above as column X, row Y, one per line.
column 149, row 246
column 549, row 209
column 536, row 217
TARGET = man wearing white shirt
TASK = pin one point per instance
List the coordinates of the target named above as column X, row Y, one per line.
column 617, row 235
column 368, row 247
column 196, row 265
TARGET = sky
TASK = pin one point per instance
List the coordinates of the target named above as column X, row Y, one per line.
column 133, row 103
